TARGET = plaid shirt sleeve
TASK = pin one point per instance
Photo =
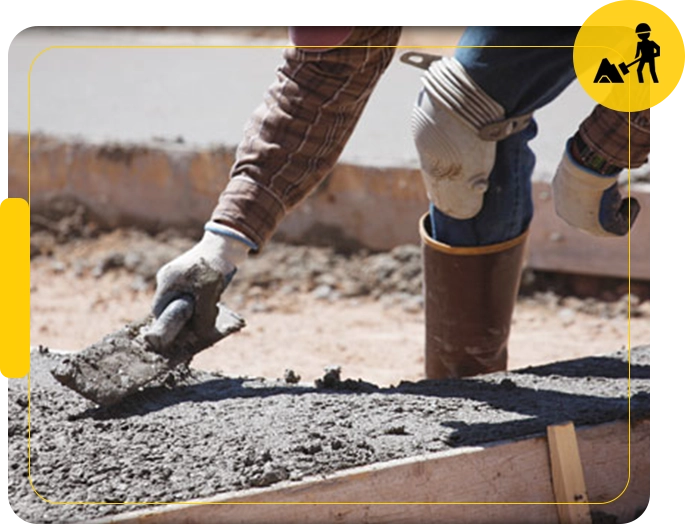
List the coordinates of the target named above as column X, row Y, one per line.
column 295, row 137
column 605, row 134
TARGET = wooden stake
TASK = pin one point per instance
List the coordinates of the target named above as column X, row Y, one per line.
column 568, row 475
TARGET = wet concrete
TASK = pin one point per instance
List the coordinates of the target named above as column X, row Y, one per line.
column 199, row 434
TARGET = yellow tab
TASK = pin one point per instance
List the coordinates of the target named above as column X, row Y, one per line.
column 16, row 287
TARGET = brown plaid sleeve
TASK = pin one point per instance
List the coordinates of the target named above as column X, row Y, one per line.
column 606, row 134
column 296, row 136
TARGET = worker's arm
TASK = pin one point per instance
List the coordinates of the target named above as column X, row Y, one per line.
column 295, row 137
column 585, row 186
column 290, row 143
column 657, row 50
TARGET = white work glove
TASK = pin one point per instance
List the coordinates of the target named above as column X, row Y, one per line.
column 590, row 201
column 221, row 247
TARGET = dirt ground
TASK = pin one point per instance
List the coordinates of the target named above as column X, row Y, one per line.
column 307, row 308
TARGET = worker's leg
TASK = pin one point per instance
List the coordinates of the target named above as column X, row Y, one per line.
column 472, row 266
column 522, row 80
column 639, row 71
column 653, row 73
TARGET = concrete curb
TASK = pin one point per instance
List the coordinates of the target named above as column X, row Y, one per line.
column 159, row 184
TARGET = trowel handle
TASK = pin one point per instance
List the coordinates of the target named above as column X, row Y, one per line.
column 167, row 326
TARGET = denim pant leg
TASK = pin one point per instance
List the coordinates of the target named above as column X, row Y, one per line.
column 521, row 80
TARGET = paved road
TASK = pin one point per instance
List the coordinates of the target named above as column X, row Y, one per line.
column 206, row 95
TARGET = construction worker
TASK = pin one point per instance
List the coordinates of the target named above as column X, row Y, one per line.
column 472, row 124
column 647, row 50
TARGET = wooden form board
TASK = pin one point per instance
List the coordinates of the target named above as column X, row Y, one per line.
column 510, row 471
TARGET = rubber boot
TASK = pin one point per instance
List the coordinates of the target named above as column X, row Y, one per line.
column 469, row 298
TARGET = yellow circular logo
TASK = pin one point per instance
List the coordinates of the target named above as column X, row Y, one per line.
column 629, row 55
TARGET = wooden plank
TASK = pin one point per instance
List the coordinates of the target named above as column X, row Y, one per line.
column 434, row 488
column 555, row 246
column 568, row 475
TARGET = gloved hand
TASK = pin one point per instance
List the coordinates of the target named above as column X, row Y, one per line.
column 222, row 248
column 590, row 201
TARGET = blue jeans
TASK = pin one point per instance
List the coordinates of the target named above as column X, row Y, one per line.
column 521, row 80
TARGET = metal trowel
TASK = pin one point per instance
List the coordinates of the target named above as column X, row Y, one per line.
column 124, row 361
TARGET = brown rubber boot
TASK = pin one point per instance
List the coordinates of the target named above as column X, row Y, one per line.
column 469, row 298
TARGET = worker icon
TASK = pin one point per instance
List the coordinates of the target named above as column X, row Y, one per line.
column 646, row 52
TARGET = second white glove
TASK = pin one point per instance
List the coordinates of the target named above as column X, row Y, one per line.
column 590, row 201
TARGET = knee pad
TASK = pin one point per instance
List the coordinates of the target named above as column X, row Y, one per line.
column 456, row 125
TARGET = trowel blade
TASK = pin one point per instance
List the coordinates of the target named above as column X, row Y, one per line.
column 122, row 362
